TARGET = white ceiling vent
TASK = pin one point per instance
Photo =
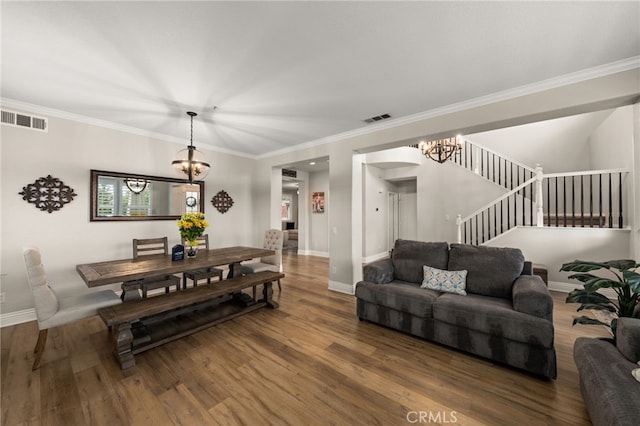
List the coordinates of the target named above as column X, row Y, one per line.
column 17, row 119
column 377, row 118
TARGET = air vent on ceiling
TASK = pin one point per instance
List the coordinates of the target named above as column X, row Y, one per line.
column 289, row 173
column 377, row 118
column 17, row 119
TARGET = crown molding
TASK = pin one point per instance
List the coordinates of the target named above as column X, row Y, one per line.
column 52, row 112
column 551, row 83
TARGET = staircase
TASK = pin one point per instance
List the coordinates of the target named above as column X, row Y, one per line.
column 492, row 166
column 589, row 199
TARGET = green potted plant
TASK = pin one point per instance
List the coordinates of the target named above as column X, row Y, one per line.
column 620, row 276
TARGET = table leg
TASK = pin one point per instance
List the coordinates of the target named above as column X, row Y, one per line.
column 130, row 291
column 267, row 295
column 234, row 270
column 123, row 339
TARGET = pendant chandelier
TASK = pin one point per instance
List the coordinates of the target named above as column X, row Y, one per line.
column 190, row 164
column 440, row 150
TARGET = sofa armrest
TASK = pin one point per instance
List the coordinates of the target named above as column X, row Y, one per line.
column 531, row 296
column 628, row 338
column 379, row 272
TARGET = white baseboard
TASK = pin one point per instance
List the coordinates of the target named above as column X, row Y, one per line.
column 341, row 287
column 17, row 317
column 569, row 287
column 313, row 253
column 375, row 257
column 561, row 287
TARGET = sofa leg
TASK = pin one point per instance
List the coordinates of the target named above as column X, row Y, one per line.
column 39, row 349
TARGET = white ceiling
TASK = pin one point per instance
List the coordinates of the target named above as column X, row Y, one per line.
column 286, row 73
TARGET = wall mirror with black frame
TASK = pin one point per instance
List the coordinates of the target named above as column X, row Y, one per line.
column 119, row 196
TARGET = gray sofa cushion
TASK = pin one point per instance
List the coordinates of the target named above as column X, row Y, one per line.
column 628, row 338
column 492, row 270
column 401, row 296
column 409, row 257
column 493, row 316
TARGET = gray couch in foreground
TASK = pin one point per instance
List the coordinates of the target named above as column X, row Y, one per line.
column 611, row 394
column 505, row 316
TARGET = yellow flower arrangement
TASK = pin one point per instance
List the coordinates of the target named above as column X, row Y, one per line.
column 192, row 226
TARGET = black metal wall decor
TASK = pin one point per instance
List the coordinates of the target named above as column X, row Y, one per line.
column 222, row 201
column 48, row 194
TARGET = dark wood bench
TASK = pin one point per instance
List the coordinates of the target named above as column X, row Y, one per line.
column 140, row 325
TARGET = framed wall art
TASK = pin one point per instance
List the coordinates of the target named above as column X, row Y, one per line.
column 317, row 202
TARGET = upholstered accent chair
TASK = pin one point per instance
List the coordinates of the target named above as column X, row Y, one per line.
column 52, row 310
column 273, row 240
column 203, row 273
column 149, row 247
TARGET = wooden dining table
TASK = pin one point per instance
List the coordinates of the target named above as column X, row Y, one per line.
column 117, row 271
column 139, row 325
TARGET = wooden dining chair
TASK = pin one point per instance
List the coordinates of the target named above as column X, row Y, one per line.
column 149, row 247
column 53, row 310
column 203, row 273
column 273, row 240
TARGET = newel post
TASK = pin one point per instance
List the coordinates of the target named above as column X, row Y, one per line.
column 539, row 197
column 459, row 225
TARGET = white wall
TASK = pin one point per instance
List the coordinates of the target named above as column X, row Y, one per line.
column 559, row 145
column 375, row 221
column 554, row 246
column 612, row 141
column 67, row 237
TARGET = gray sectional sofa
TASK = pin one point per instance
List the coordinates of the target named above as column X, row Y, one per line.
column 505, row 316
column 611, row 394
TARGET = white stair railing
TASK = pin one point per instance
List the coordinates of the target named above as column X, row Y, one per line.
column 492, row 166
column 575, row 199
column 589, row 199
column 512, row 209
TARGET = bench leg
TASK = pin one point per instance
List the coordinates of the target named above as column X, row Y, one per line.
column 122, row 339
column 267, row 295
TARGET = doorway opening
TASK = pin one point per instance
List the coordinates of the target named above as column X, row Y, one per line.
column 402, row 208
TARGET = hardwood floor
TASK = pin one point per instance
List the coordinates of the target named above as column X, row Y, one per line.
column 309, row 362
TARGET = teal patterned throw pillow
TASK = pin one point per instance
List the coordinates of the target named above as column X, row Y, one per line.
column 445, row 281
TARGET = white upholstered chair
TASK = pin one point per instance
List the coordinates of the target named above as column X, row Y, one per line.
column 273, row 239
column 52, row 310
